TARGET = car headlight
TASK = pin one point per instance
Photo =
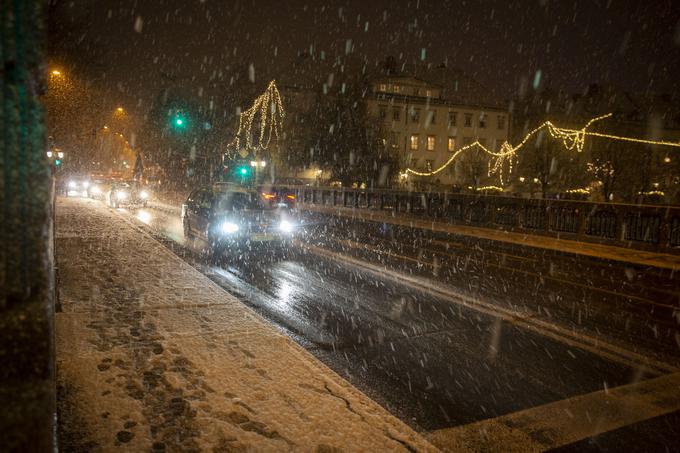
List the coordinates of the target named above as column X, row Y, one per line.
column 229, row 227
column 72, row 184
column 143, row 194
column 286, row 226
column 121, row 195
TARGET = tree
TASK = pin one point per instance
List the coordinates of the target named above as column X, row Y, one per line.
column 339, row 136
column 474, row 165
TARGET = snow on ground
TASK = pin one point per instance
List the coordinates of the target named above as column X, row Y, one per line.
column 153, row 356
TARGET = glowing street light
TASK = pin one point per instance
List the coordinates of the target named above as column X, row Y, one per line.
column 120, row 110
column 60, row 154
column 56, row 72
column 667, row 159
column 49, row 154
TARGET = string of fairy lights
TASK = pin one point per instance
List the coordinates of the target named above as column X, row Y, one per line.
column 268, row 107
column 570, row 138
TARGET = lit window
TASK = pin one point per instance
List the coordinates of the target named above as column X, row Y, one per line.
column 382, row 87
column 431, row 142
column 396, row 88
column 451, row 146
column 428, row 93
column 414, row 142
column 452, row 118
column 468, row 120
column 415, row 115
column 501, row 121
column 396, row 114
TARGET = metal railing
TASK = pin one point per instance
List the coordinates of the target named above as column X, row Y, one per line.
column 645, row 227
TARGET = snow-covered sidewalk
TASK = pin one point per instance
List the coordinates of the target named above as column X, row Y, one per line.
column 153, row 356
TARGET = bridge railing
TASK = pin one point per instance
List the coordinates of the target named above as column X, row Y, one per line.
column 645, row 227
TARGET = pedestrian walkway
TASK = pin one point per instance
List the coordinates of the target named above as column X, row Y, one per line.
column 153, row 356
column 608, row 252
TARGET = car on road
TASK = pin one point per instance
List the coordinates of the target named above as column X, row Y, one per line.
column 127, row 193
column 99, row 187
column 231, row 217
column 280, row 196
column 73, row 185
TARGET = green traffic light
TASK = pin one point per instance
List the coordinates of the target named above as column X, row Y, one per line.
column 179, row 121
column 57, row 162
column 244, row 171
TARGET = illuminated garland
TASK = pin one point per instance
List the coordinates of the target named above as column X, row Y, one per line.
column 571, row 139
column 269, row 107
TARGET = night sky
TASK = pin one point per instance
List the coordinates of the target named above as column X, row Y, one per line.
column 130, row 48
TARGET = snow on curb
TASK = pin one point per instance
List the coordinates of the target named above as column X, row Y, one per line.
column 154, row 355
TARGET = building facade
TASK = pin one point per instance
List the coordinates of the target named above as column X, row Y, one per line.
column 426, row 128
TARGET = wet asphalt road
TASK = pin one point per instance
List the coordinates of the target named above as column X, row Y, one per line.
column 634, row 306
column 430, row 361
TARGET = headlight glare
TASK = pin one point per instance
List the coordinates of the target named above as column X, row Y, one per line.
column 286, row 226
column 72, row 184
column 86, row 184
column 229, row 227
column 143, row 194
column 121, row 195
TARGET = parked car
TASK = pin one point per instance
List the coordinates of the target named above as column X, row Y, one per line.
column 230, row 217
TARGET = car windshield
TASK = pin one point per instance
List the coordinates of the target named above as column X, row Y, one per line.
column 239, row 201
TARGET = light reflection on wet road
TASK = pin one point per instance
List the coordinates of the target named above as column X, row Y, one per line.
column 431, row 362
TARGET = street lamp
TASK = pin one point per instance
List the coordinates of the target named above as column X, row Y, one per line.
column 60, row 155
column 56, row 72
column 119, row 109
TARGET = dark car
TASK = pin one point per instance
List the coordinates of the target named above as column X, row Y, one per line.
column 127, row 193
column 279, row 196
column 229, row 216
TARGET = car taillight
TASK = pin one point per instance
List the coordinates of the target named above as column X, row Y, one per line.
column 268, row 196
column 290, row 197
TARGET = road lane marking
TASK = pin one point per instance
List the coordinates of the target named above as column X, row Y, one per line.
column 567, row 421
column 567, row 336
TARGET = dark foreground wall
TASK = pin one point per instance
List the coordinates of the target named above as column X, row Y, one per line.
column 27, row 394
